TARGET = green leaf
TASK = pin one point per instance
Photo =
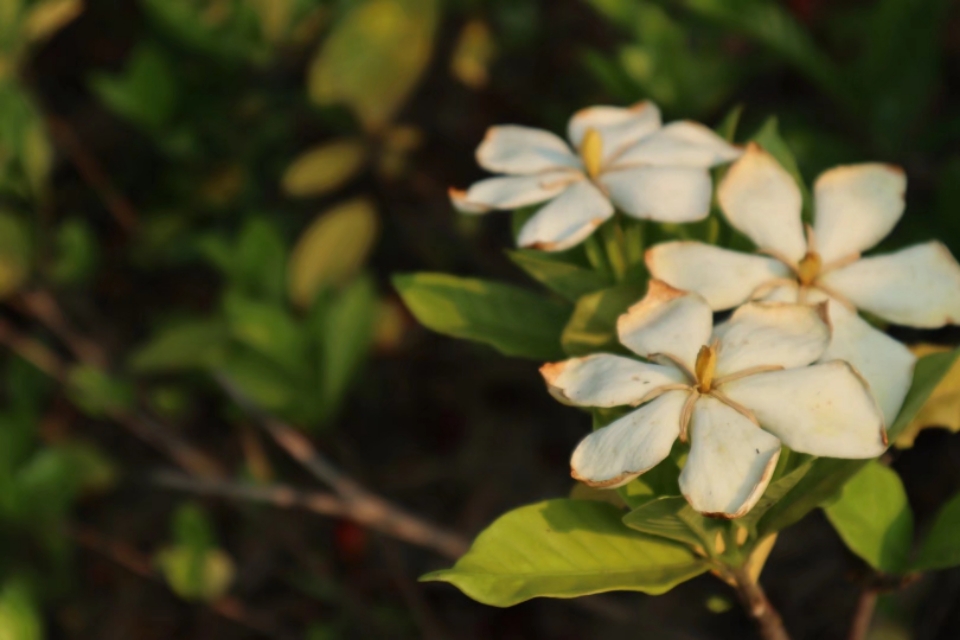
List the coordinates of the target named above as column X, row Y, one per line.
column 828, row 475
column 204, row 576
column 727, row 129
column 269, row 329
column 145, row 93
column 673, row 518
column 20, row 617
column 98, row 393
column 874, row 519
column 941, row 547
column 259, row 263
column 324, row 168
column 513, row 321
column 564, row 549
column 593, row 325
column 260, row 378
column 16, row 253
column 374, row 57
column 77, row 252
column 331, row 250
column 347, row 334
column 194, row 344
column 566, row 278
column 46, row 17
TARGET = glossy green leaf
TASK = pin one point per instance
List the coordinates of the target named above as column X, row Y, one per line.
column 874, row 519
column 828, row 475
column 374, row 57
column 331, row 250
column 564, row 549
column 192, row 344
column 593, row 325
column 512, row 320
column 941, row 546
column 567, row 278
column 325, row 167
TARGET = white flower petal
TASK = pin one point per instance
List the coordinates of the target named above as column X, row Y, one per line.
column 510, row 192
column 763, row 201
column 680, row 144
column 618, row 453
column 724, row 278
column 731, row 461
column 567, row 220
column 918, row 286
column 667, row 321
column 884, row 363
column 824, row 409
column 605, row 380
column 664, row 194
column 523, row 150
column 856, row 207
column 762, row 334
column 618, row 127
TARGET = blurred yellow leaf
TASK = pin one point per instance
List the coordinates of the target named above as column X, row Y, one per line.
column 332, row 249
column 46, row 18
column 942, row 409
column 197, row 575
column 275, row 17
column 15, row 253
column 324, row 168
column 374, row 57
column 37, row 156
column 473, row 54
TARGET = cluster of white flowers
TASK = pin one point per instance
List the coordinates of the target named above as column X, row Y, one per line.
column 794, row 364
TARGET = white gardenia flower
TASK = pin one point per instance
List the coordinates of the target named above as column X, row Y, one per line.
column 736, row 392
column 624, row 158
column 856, row 206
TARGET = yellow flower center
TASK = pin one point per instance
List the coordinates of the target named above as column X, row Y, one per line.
column 705, row 367
column 809, row 268
column 591, row 152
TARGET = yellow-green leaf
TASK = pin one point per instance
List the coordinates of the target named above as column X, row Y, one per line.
column 374, row 57
column 46, row 18
column 15, row 253
column 942, row 408
column 197, row 575
column 332, row 249
column 565, row 549
column 324, row 168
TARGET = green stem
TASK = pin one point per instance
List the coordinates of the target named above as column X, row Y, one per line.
column 616, row 245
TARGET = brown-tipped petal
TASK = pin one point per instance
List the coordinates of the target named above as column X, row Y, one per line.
column 763, row 201
column 605, row 380
column 511, row 192
column 824, row 409
column 667, row 321
column 762, row 334
column 567, row 220
column 731, row 461
column 664, row 194
column 520, row 150
column 619, row 452
column 724, row 278
column 918, row 286
column 857, row 205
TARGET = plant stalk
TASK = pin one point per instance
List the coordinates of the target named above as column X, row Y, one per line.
column 758, row 606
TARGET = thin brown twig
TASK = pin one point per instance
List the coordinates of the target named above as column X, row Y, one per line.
column 863, row 614
column 758, row 606
column 92, row 172
column 131, row 559
column 41, row 305
column 161, row 438
column 365, row 506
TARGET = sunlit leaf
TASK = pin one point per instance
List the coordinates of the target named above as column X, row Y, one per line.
column 45, row 18
column 473, row 54
column 513, row 321
column 20, row 617
column 186, row 345
column 331, row 250
column 673, row 518
column 325, row 167
column 569, row 279
column 197, row 576
column 564, row 549
column 874, row 519
column 593, row 325
column 942, row 409
column 941, row 546
column 374, row 57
